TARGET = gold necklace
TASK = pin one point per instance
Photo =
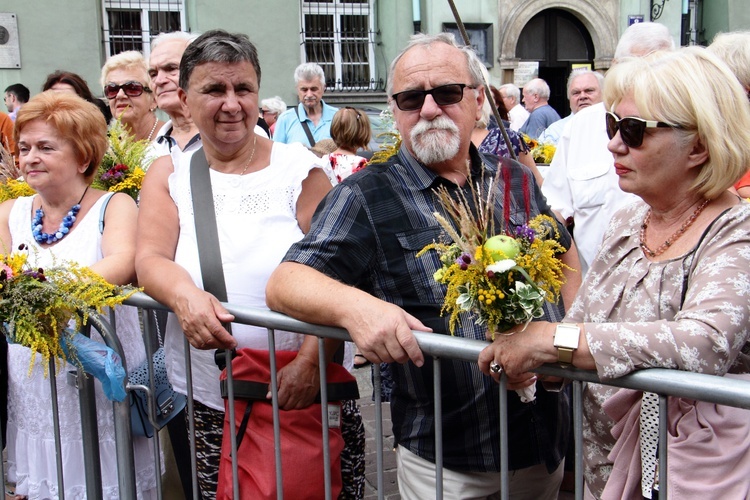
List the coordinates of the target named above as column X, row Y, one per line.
column 670, row 241
column 252, row 155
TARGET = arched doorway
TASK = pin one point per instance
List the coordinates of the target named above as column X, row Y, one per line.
column 556, row 39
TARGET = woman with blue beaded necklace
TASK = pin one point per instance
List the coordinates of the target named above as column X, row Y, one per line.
column 61, row 140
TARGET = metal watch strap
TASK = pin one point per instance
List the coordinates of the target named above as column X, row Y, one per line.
column 565, row 356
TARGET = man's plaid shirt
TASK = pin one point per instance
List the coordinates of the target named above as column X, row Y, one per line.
column 366, row 233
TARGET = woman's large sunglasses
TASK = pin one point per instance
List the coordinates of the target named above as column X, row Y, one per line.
column 411, row 100
column 631, row 128
column 131, row 89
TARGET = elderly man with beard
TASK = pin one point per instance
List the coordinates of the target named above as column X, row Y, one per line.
column 357, row 269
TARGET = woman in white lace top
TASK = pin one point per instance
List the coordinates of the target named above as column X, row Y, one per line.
column 61, row 140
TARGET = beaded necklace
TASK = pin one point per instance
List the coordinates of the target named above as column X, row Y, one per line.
column 65, row 225
column 150, row 134
column 664, row 246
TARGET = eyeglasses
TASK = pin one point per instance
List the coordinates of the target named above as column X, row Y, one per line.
column 411, row 100
column 631, row 128
column 131, row 89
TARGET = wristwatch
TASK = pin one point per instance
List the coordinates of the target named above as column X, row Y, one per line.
column 566, row 341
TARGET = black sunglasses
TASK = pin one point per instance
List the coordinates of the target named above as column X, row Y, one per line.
column 631, row 128
column 131, row 89
column 411, row 100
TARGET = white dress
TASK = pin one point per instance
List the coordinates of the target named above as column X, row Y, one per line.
column 31, row 442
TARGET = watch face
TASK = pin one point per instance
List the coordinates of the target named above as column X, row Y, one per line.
column 567, row 336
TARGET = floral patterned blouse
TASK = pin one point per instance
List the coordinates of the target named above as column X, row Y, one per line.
column 689, row 313
column 342, row 166
column 495, row 144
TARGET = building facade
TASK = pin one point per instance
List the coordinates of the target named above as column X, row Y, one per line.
column 354, row 40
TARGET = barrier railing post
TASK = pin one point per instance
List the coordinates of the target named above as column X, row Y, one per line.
column 663, row 429
column 578, row 437
column 191, row 420
column 376, row 389
column 324, row 417
column 232, row 433
column 123, row 431
column 148, row 328
column 276, row 425
column 90, row 435
column 504, row 477
column 56, row 425
column 437, row 388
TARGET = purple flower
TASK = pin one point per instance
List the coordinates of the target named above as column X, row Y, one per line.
column 36, row 274
column 463, row 261
column 525, row 233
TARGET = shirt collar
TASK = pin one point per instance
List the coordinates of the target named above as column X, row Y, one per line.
column 166, row 136
column 424, row 178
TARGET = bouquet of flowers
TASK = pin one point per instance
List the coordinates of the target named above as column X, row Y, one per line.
column 542, row 152
column 124, row 164
column 36, row 304
column 502, row 278
column 12, row 184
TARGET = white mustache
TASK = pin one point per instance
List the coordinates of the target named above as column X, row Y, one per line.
column 439, row 123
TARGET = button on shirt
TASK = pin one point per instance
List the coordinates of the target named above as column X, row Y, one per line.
column 289, row 127
column 367, row 233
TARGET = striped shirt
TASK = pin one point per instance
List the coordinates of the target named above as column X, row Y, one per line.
column 366, row 233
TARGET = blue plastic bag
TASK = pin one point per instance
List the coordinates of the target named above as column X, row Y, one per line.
column 100, row 361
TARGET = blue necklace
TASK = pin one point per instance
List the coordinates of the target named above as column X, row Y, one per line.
column 65, row 225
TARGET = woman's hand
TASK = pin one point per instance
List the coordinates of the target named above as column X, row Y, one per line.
column 201, row 316
column 519, row 351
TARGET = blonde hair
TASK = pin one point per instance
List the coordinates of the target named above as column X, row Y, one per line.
column 696, row 92
column 75, row 119
column 734, row 49
column 131, row 59
column 350, row 129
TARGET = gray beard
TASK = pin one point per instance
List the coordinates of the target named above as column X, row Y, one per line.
column 430, row 148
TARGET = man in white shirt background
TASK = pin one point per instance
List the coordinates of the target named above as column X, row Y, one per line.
column 512, row 99
column 581, row 183
column 584, row 90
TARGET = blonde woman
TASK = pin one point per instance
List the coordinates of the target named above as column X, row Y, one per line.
column 128, row 89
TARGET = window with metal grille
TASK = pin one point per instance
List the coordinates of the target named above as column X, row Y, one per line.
column 339, row 35
column 131, row 24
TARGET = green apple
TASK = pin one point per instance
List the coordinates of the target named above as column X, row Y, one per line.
column 501, row 247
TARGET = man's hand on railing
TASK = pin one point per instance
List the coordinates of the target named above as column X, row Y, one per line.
column 201, row 316
column 382, row 331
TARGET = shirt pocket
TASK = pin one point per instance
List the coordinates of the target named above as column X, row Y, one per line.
column 591, row 184
column 421, row 269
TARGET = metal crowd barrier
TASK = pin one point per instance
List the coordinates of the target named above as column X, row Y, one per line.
column 718, row 390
